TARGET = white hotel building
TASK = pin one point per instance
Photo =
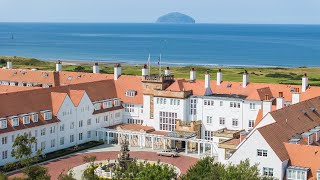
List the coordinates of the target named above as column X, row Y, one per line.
column 205, row 117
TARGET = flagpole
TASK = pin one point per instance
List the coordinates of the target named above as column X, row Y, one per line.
column 160, row 65
column 149, row 63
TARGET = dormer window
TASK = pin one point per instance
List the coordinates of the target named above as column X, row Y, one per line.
column 34, row 117
column 26, row 119
column 15, row 121
column 47, row 115
column 131, row 93
column 116, row 103
column 97, row 106
column 3, row 123
column 107, row 104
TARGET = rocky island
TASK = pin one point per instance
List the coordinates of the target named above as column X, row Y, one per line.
column 176, row 18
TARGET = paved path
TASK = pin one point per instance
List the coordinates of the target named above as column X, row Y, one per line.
column 64, row 164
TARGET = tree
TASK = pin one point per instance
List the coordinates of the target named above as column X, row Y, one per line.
column 3, row 176
column 66, row 176
column 22, row 150
column 88, row 174
column 206, row 169
column 79, row 69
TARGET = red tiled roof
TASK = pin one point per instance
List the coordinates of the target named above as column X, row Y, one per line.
column 76, row 96
column 304, row 156
column 253, row 91
column 289, row 121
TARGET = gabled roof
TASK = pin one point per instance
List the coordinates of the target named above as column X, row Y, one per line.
column 57, row 100
column 289, row 121
column 76, row 96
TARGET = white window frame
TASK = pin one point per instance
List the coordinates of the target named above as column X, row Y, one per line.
column 3, row 124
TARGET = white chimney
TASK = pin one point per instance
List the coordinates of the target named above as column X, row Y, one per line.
column 117, row 71
column 245, row 79
column 280, row 101
column 192, row 74
column 145, row 70
column 207, row 84
column 219, row 77
column 167, row 71
column 304, row 83
column 266, row 105
column 58, row 66
column 9, row 65
column 296, row 96
column 96, row 68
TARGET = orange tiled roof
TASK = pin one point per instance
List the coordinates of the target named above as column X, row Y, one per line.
column 253, row 91
column 289, row 121
column 135, row 127
column 9, row 89
column 57, row 100
column 304, row 156
column 23, row 75
column 125, row 83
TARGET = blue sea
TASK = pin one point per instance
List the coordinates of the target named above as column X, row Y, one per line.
column 202, row 44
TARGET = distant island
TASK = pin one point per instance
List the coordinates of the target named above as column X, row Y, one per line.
column 176, row 18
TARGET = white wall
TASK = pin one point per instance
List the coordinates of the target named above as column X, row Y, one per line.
column 248, row 150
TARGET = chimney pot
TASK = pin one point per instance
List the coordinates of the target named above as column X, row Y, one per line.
column 58, row 66
column 266, row 97
column 281, row 94
column 192, row 75
column 96, row 68
column 117, row 71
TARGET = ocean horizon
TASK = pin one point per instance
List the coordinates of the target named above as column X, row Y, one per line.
column 238, row 45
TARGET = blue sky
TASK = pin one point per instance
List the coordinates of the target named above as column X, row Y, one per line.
column 204, row 11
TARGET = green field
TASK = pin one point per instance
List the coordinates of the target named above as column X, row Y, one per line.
column 262, row 75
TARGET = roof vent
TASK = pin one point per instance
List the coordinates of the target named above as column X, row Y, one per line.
column 313, row 109
column 23, row 73
column 304, row 112
column 15, row 72
column 79, row 76
column 69, row 78
column 229, row 85
column 292, row 89
column 45, row 74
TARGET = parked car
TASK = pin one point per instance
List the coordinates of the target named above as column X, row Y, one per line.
column 168, row 152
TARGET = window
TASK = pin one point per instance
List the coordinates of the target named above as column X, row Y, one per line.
column 53, row 143
column 208, row 102
column 129, row 108
column 80, row 136
column 209, row 119
column 89, row 134
column 131, row 93
column 235, row 122
column 52, row 130
column 97, row 120
column 71, row 138
column 35, row 133
column 175, row 102
column 234, row 105
column 26, row 119
column 97, row 106
column 221, row 103
column 15, row 121
column 135, row 121
column 117, row 115
column 106, row 118
column 4, row 140
column 267, row 171
column 161, row 101
column 89, row 122
column 61, row 141
column 72, row 125
column 43, row 145
column 62, row 127
column 168, row 121
column 43, row 132
column 107, row 104
column 297, row 174
column 222, row 120
column 34, row 117
column 193, row 106
column 3, row 124
column 116, row 103
column 208, row 135
column 251, row 123
column 12, row 138
column 262, row 153
column 80, row 123
column 48, row 115
column 4, row 154
column 252, row 106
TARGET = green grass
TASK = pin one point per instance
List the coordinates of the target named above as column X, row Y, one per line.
column 259, row 75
